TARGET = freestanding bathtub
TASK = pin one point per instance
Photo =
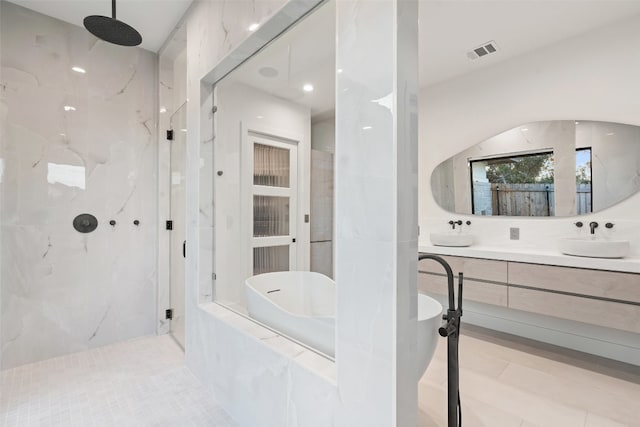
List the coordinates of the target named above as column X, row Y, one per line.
column 301, row 305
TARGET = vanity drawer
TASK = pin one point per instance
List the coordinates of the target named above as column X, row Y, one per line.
column 596, row 312
column 473, row 268
column 487, row 293
column 603, row 284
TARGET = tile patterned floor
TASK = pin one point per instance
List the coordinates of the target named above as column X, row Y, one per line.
column 512, row 382
column 141, row 382
column 505, row 381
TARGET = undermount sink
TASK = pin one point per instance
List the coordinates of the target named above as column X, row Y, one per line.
column 594, row 247
column 451, row 239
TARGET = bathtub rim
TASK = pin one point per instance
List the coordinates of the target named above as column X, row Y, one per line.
column 207, row 307
column 264, row 297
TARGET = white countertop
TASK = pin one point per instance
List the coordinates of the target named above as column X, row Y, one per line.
column 536, row 256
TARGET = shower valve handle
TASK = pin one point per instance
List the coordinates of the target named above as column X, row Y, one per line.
column 447, row 329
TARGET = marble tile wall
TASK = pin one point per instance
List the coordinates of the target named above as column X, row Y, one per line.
column 376, row 211
column 257, row 384
column 63, row 291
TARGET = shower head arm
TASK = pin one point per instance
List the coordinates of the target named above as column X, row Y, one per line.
column 113, row 9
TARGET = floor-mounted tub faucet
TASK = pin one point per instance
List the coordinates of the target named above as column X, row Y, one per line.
column 593, row 225
column 451, row 330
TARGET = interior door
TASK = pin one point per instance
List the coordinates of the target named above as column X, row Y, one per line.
column 274, row 204
column 178, row 124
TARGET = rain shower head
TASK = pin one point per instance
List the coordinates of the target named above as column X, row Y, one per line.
column 111, row 30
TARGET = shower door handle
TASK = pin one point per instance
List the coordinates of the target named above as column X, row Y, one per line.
column 184, row 249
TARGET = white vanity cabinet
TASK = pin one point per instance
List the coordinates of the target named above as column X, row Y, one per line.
column 604, row 298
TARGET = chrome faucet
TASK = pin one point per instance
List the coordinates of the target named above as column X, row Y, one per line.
column 593, row 225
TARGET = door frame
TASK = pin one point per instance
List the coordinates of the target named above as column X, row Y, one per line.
column 246, row 185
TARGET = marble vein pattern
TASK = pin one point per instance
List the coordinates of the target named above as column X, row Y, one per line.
column 74, row 143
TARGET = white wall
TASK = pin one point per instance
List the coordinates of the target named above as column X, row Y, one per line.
column 590, row 77
column 238, row 108
column 63, row 291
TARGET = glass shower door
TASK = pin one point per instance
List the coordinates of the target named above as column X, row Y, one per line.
column 177, row 216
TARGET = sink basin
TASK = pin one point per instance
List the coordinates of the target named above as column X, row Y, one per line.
column 594, row 248
column 451, row 239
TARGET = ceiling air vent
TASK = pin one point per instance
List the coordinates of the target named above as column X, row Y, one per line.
column 482, row 50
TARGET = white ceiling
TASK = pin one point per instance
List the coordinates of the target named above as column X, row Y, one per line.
column 448, row 30
column 154, row 19
column 451, row 28
column 305, row 54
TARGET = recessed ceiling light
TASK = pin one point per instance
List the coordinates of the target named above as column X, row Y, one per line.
column 69, row 108
column 183, row 130
column 610, row 134
column 269, row 72
column 253, row 26
column 163, row 110
column 308, row 87
column 524, row 129
column 259, row 117
column 79, row 70
column 367, row 127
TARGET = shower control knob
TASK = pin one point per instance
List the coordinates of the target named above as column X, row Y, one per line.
column 136, row 222
column 609, row 225
column 579, row 224
column 112, row 223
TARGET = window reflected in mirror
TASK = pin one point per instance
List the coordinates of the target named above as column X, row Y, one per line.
column 513, row 185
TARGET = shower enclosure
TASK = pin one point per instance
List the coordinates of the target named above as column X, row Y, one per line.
column 177, row 248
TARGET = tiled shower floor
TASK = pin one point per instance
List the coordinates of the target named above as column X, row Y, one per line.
column 142, row 382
